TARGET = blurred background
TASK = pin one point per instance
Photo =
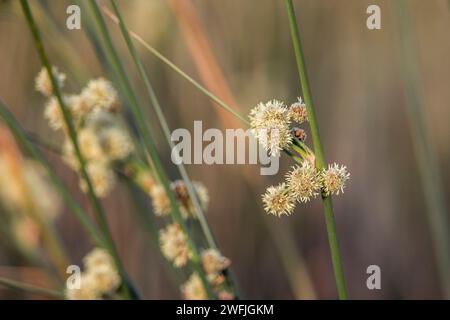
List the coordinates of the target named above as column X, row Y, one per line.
column 242, row 51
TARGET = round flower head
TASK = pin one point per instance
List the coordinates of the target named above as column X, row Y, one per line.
column 186, row 205
column 98, row 257
column 298, row 112
column 160, row 201
column 43, row 83
column 278, row 200
column 270, row 125
column 100, row 94
column 214, row 262
column 116, row 143
column 100, row 266
column 174, row 244
column 105, row 279
column 299, row 133
column 102, row 178
column 303, row 182
column 193, row 289
column 78, row 106
column 334, row 178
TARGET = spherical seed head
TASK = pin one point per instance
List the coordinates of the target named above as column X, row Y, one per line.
column 278, row 200
column 303, row 182
column 43, row 83
column 270, row 125
column 100, row 94
column 102, row 177
column 160, row 201
column 116, row 143
column 174, row 244
column 298, row 112
column 105, row 279
column 98, row 257
column 193, row 288
column 78, row 105
column 186, row 204
column 214, row 262
column 334, row 178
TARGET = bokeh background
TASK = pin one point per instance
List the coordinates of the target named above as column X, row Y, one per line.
column 242, row 51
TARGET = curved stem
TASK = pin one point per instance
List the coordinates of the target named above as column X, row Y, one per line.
column 318, row 150
column 98, row 209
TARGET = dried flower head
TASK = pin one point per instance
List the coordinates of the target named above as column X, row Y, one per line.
column 98, row 257
column 270, row 125
column 102, row 177
column 334, row 178
column 214, row 262
column 160, row 200
column 43, row 83
column 278, row 200
column 78, row 106
column 303, row 182
column 174, row 244
column 116, row 143
column 100, row 94
column 298, row 112
column 186, row 205
column 193, row 288
column 299, row 133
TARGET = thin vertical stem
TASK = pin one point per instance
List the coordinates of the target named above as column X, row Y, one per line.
column 98, row 209
column 318, row 149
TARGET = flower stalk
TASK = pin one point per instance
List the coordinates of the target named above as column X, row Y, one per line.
column 98, row 209
column 318, row 150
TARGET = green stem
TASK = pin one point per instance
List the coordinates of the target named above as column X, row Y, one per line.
column 149, row 143
column 98, row 209
column 20, row 286
column 318, row 149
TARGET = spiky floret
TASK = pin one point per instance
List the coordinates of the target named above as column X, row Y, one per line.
column 304, row 182
column 278, row 200
column 334, row 178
